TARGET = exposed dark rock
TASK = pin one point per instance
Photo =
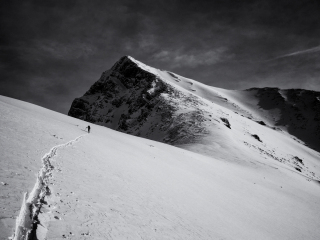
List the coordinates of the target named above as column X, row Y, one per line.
column 79, row 108
column 256, row 137
column 226, row 122
column 262, row 123
column 129, row 99
column 298, row 159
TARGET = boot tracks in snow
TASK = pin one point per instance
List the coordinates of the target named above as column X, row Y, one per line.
column 28, row 217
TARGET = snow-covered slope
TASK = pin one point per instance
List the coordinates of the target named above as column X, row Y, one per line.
column 110, row 185
column 295, row 111
column 258, row 125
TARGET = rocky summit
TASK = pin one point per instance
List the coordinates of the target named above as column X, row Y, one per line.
column 160, row 105
column 130, row 99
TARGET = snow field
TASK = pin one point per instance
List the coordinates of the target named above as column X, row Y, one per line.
column 32, row 203
column 27, row 133
column 111, row 185
column 126, row 187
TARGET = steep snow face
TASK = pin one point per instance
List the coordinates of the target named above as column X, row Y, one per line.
column 111, row 185
column 143, row 101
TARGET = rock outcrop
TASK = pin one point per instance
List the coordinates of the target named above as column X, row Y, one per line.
column 130, row 99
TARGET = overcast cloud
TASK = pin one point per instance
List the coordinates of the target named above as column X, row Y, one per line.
column 179, row 59
column 53, row 51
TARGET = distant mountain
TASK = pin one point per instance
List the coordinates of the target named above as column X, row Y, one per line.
column 296, row 110
column 143, row 101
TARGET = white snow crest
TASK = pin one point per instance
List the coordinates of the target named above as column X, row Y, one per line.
column 32, row 202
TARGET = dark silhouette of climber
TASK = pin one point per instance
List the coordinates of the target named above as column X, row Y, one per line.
column 88, row 129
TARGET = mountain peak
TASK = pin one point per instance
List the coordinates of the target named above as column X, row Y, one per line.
column 135, row 98
column 128, row 65
column 123, row 60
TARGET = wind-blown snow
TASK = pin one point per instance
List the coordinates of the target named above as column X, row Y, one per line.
column 111, row 185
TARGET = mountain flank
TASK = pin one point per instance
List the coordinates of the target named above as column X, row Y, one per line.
column 260, row 124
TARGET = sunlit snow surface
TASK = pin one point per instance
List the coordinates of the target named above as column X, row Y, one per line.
column 110, row 185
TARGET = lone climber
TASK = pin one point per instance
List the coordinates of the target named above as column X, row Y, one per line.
column 88, row 129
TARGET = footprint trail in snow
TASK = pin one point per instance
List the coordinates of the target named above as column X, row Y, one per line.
column 28, row 217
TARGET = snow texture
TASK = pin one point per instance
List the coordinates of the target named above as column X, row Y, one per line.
column 31, row 205
column 210, row 182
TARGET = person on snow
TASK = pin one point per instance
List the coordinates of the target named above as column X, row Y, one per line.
column 88, row 128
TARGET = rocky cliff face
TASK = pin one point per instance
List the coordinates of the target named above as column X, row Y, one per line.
column 130, row 99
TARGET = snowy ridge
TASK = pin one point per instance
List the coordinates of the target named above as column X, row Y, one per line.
column 133, row 98
column 27, row 220
column 159, row 105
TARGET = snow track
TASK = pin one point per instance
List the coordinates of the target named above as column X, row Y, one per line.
column 28, row 217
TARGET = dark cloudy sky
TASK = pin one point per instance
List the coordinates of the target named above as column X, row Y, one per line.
column 53, row 51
